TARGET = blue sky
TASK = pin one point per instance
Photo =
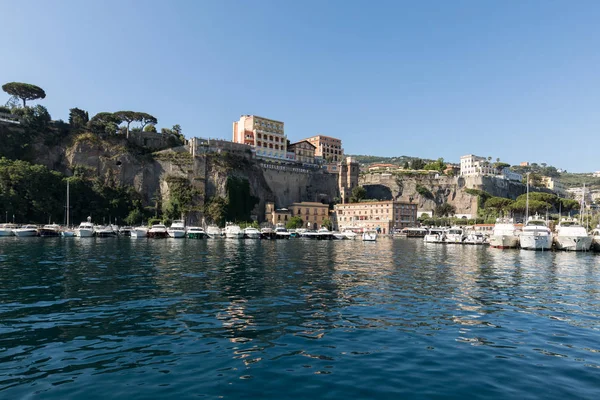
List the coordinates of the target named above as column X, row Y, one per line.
column 511, row 79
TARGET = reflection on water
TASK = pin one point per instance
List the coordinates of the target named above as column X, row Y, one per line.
column 144, row 318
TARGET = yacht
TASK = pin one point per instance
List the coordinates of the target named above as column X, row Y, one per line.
column 505, row 234
column 139, row 232
column 85, row 229
column 50, row 230
column 177, row 229
column 596, row 239
column 348, row 234
column 536, row 235
column 158, row 231
column 26, row 231
column 475, row 238
column 455, row 235
column 213, row 231
column 267, row 233
column 233, row 231
column 7, row 229
column 125, row 231
column 251, row 233
column 195, row 232
column 281, row 232
column 105, row 231
column 435, row 235
column 570, row 235
column 369, row 236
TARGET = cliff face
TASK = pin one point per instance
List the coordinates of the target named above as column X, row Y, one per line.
column 429, row 191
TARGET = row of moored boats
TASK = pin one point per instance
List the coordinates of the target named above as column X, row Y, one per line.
column 534, row 235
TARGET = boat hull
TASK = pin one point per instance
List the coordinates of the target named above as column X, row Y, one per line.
column 536, row 242
column 504, row 241
column 84, row 232
column 596, row 244
column 196, row 235
column 252, row 235
column 234, row 235
column 27, row 233
column 176, row 234
column 139, row 233
column 574, row 243
column 6, row 232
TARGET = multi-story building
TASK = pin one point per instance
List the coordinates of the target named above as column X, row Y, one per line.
column 510, row 175
column 277, row 216
column 265, row 135
column 328, row 148
column 555, row 185
column 312, row 213
column 304, row 151
column 383, row 215
column 471, row 165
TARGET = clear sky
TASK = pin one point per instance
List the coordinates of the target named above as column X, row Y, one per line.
column 518, row 80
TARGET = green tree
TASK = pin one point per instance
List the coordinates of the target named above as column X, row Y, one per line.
column 24, row 91
column 150, row 128
column 327, row 223
column 498, row 204
column 35, row 119
column 535, row 206
column 145, row 119
column 215, row 210
column 104, row 123
column 78, row 118
column 294, row 223
column 444, row 210
column 438, row 165
column 568, row 205
column 128, row 117
column 417, row 163
column 134, row 217
column 358, row 194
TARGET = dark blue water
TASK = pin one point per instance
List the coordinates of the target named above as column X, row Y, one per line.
column 142, row 319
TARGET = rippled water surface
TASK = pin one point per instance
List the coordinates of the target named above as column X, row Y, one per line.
column 140, row 319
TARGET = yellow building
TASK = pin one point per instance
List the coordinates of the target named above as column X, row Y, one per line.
column 555, row 185
column 304, row 151
column 312, row 213
column 277, row 216
column 328, row 148
column 383, row 215
column 265, row 135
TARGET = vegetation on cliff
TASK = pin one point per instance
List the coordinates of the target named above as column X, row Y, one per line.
column 236, row 207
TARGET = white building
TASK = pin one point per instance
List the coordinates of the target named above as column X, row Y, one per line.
column 471, row 165
column 510, row 175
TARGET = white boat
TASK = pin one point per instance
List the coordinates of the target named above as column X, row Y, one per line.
column 50, row 230
column 455, row 235
column 536, row 235
column 26, row 231
column 67, row 233
column 158, row 231
column 281, row 232
column 348, row 234
column 251, row 233
column 195, row 232
column 125, row 231
column 233, row 231
column 475, row 238
column 213, row 231
column 339, row 236
column 505, row 235
column 139, row 232
column 177, row 229
column 596, row 238
column 7, row 229
column 105, row 231
column 369, row 236
column 570, row 235
column 85, row 229
column 435, row 235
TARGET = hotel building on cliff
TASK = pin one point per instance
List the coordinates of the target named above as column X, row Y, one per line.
column 385, row 215
column 265, row 135
column 471, row 165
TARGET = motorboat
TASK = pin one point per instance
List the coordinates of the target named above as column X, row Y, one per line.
column 455, row 235
column 536, row 235
column 348, row 234
column 570, row 235
column 26, row 231
column 50, row 230
column 195, row 232
column 177, row 229
column 233, row 231
column 125, row 231
column 67, row 233
column 267, row 233
column 339, row 236
column 251, row 233
column 105, row 231
column 505, row 234
column 281, row 232
column 85, row 229
column 435, row 235
column 158, row 231
column 411, row 233
column 595, row 234
column 475, row 238
column 322, row 234
column 7, row 229
column 139, row 232
column 369, row 236
column 213, row 231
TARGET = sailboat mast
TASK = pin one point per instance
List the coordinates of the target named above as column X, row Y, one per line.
column 68, row 203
